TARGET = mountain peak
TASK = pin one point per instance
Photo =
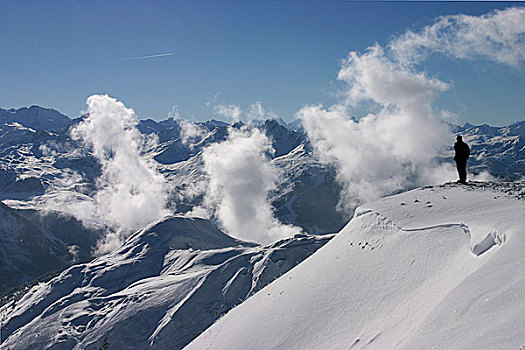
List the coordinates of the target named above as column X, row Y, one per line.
column 36, row 117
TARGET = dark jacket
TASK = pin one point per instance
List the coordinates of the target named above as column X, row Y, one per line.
column 462, row 151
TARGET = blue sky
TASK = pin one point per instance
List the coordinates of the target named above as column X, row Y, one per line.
column 284, row 54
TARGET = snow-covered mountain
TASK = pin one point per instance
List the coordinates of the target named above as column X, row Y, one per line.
column 39, row 161
column 436, row 267
column 34, row 118
column 433, row 268
column 35, row 154
column 162, row 288
column 369, row 287
column 500, row 151
column 26, row 250
column 35, row 148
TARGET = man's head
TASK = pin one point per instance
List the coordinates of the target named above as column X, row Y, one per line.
column 459, row 138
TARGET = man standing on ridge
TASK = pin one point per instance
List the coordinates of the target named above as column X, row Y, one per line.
column 462, row 153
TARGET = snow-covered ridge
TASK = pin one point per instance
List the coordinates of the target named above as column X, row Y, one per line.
column 47, row 165
column 438, row 267
column 40, row 163
column 34, row 118
column 161, row 289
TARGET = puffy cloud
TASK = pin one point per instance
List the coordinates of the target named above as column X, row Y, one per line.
column 373, row 76
column 129, row 192
column 383, row 152
column 256, row 111
column 393, row 147
column 375, row 156
column 240, row 176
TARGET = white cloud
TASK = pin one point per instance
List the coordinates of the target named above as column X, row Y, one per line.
column 230, row 112
column 385, row 151
column 373, row 76
column 130, row 193
column 498, row 36
column 240, row 177
column 256, row 111
column 175, row 112
column 233, row 113
column 394, row 147
column 372, row 158
column 190, row 131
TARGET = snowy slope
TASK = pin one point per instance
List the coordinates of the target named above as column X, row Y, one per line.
column 433, row 268
column 162, row 288
column 40, row 162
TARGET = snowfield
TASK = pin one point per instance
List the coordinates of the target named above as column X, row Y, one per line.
column 433, row 268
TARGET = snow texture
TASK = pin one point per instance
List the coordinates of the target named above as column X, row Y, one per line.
column 433, row 268
column 161, row 289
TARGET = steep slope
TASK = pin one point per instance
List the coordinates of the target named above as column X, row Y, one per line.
column 433, row 268
column 308, row 192
column 27, row 250
column 33, row 244
column 162, row 288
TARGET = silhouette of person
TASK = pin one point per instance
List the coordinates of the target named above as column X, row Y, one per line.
column 462, row 153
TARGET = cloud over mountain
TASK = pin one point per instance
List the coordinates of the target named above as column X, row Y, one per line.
column 240, row 176
column 130, row 193
column 394, row 145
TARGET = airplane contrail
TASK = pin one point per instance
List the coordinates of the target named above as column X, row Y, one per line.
column 144, row 57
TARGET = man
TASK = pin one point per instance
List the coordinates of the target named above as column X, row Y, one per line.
column 462, row 153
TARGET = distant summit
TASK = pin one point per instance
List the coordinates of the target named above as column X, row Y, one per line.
column 36, row 117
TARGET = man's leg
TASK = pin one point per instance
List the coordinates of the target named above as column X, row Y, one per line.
column 462, row 171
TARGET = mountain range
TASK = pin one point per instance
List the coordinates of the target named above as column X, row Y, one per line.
column 151, row 291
